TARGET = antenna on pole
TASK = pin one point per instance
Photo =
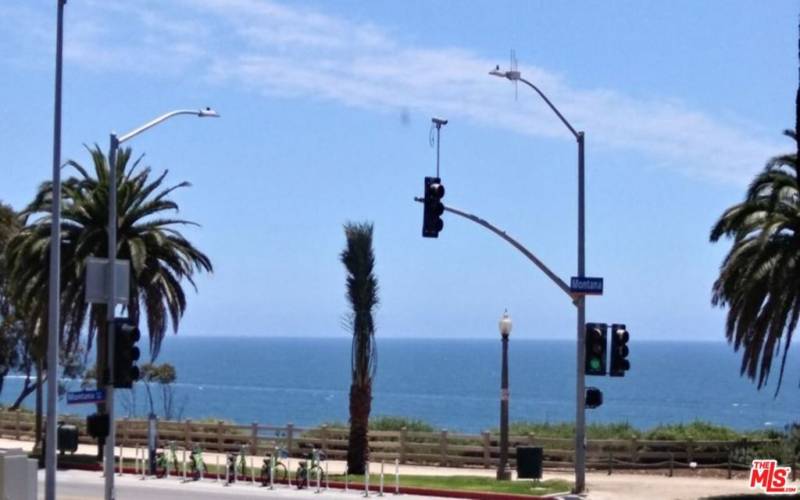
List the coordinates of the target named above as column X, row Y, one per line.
column 437, row 122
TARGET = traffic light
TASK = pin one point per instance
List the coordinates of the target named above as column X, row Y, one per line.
column 619, row 351
column 596, row 334
column 594, row 397
column 97, row 425
column 126, row 353
column 432, row 221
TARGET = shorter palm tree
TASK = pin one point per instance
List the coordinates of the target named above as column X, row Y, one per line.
column 362, row 293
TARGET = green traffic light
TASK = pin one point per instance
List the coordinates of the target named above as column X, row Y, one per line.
column 595, row 363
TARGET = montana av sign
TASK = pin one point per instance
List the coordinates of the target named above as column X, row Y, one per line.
column 586, row 285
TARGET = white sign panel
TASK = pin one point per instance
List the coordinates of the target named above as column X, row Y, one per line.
column 97, row 280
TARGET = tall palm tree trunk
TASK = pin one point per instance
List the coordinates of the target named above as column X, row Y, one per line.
column 358, row 443
column 362, row 293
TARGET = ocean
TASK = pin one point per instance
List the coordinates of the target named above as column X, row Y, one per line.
column 455, row 384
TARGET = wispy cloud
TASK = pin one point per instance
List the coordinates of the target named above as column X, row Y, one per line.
column 289, row 50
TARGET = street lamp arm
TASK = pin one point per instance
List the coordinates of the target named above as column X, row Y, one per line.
column 555, row 110
column 527, row 253
column 164, row 117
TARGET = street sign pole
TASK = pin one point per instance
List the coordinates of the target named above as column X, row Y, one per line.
column 580, row 385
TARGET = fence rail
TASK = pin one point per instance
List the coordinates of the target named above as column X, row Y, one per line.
column 432, row 448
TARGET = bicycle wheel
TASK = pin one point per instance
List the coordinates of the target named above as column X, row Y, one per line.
column 264, row 476
column 312, row 474
column 280, row 473
column 301, row 477
column 160, row 465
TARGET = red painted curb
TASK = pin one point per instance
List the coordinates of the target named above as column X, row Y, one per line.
column 407, row 490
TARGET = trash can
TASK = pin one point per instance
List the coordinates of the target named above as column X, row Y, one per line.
column 67, row 438
column 529, row 462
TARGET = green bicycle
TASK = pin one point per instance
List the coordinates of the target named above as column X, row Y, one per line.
column 166, row 460
column 280, row 472
column 311, row 469
column 197, row 467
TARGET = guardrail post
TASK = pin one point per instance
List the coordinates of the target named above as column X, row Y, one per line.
column 220, row 434
column 689, row 451
column 443, row 448
column 187, row 433
column 487, row 450
column 634, row 450
column 289, row 437
column 403, row 437
column 610, row 461
column 18, row 425
column 671, row 464
column 730, row 465
column 254, row 439
column 324, row 438
column 126, row 432
column 794, row 467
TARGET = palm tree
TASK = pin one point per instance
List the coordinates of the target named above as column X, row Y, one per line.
column 760, row 277
column 362, row 293
column 159, row 255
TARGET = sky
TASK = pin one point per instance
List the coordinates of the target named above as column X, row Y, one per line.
column 325, row 118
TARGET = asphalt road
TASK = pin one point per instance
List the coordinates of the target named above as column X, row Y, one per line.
column 74, row 485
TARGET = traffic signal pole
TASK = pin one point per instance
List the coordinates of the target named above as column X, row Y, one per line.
column 110, row 306
column 580, row 379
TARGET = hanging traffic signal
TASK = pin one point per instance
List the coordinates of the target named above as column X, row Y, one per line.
column 432, row 221
column 596, row 334
column 594, row 397
column 126, row 353
column 619, row 351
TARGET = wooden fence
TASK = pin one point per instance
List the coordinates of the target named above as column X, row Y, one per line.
column 433, row 448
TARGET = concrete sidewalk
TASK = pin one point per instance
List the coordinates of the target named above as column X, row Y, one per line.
column 600, row 485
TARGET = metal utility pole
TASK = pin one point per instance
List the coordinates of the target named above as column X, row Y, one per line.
column 503, row 474
column 580, row 301
column 54, row 305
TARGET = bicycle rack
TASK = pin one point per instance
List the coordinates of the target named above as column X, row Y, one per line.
column 184, row 465
column 327, row 477
column 366, row 481
column 319, row 475
column 253, row 469
column 272, row 472
column 216, row 476
column 120, row 460
column 396, row 476
column 380, row 492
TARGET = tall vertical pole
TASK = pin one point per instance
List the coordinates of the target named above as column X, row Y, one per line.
column 112, row 284
column 502, row 474
column 54, row 309
column 580, row 386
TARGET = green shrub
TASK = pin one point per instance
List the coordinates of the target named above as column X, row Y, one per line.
column 698, row 431
column 619, row 430
column 390, row 423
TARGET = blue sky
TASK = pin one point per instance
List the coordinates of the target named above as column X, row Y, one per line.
column 326, row 111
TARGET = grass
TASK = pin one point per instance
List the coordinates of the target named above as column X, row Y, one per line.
column 467, row 483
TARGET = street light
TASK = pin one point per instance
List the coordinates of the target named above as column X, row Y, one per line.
column 115, row 142
column 505, row 331
column 580, row 301
column 54, row 296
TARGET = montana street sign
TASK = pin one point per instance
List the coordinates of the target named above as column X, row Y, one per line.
column 586, row 285
column 85, row 397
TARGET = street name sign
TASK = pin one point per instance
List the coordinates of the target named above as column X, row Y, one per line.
column 586, row 285
column 86, row 397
